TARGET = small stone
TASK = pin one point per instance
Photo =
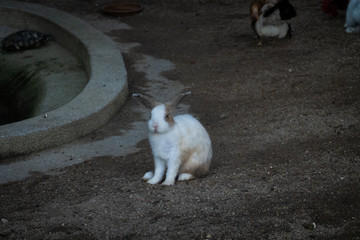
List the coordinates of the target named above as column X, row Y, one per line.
column 4, row 221
column 223, row 116
column 310, row 226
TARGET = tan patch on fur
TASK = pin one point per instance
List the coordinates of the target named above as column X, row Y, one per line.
column 256, row 6
column 170, row 119
column 194, row 169
column 190, row 166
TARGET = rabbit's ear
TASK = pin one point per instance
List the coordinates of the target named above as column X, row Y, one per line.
column 178, row 99
column 146, row 101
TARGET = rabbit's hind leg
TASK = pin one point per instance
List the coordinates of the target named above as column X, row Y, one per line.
column 186, row 177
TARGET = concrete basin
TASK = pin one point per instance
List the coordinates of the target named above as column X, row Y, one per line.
column 102, row 96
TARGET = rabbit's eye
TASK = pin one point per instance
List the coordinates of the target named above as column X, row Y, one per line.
column 167, row 116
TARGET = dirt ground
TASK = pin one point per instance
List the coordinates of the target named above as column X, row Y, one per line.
column 283, row 118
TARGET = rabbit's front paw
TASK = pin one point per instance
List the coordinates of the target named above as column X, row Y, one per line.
column 147, row 176
column 153, row 181
column 168, row 182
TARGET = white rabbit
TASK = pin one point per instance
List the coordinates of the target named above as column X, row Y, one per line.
column 271, row 18
column 352, row 23
column 272, row 30
column 180, row 145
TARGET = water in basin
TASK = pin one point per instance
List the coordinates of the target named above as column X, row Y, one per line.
column 62, row 74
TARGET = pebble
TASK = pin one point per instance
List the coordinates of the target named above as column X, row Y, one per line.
column 4, row 221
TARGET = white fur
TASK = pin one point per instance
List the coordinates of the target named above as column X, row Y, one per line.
column 170, row 144
column 271, row 30
column 352, row 23
column 157, row 120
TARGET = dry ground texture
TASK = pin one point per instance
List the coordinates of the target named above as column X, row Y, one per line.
column 283, row 119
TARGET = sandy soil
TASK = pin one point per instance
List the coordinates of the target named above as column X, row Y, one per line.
column 283, row 119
